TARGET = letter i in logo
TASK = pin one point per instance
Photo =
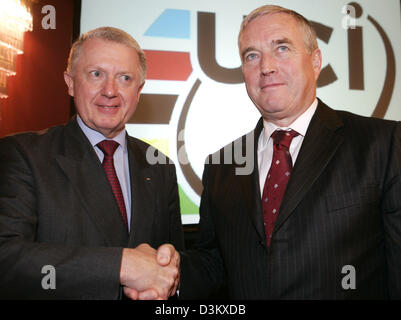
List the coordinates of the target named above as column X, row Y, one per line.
column 355, row 50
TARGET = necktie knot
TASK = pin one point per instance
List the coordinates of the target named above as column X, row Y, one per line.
column 108, row 147
column 284, row 138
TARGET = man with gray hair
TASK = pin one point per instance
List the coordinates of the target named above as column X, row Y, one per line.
column 320, row 216
column 81, row 209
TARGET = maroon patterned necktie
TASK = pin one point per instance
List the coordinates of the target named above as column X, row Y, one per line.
column 108, row 148
column 277, row 179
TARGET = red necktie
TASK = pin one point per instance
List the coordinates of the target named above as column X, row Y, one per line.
column 108, row 148
column 277, row 179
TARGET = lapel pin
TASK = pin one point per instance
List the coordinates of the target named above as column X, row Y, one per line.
column 148, row 178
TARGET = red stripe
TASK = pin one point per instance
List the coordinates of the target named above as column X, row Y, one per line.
column 168, row 65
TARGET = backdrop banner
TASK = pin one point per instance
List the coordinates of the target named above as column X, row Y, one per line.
column 194, row 101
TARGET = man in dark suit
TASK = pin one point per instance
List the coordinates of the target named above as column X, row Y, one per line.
column 80, row 206
column 319, row 217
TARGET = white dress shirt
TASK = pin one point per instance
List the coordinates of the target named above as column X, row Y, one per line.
column 265, row 143
column 120, row 159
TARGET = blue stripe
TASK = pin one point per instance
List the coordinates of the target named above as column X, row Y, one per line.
column 172, row 23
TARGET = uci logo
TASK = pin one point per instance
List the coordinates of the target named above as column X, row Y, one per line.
column 197, row 97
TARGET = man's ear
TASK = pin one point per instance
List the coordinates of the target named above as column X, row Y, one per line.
column 70, row 83
column 139, row 91
column 317, row 62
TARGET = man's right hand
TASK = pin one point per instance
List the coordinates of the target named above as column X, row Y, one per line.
column 150, row 274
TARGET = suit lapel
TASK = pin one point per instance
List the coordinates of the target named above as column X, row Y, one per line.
column 320, row 144
column 250, row 185
column 83, row 168
column 143, row 194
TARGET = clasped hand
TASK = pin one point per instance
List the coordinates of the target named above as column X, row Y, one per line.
column 148, row 274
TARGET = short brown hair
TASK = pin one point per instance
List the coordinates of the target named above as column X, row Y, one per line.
column 307, row 29
column 107, row 34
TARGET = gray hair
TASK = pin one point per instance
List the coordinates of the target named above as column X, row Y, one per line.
column 107, row 34
column 306, row 27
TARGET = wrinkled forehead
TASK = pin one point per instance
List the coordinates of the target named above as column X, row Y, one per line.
column 276, row 27
column 271, row 25
column 98, row 46
column 107, row 52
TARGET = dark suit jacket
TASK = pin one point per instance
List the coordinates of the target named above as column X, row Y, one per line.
column 57, row 208
column 342, row 207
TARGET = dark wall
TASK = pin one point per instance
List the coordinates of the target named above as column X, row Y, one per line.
column 37, row 94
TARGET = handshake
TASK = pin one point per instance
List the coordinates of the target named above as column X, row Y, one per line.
column 147, row 274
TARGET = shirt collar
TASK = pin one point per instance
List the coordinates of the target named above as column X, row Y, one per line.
column 95, row 137
column 300, row 124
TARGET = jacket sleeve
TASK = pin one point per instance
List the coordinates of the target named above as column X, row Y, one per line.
column 391, row 209
column 175, row 224
column 202, row 272
column 79, row 272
